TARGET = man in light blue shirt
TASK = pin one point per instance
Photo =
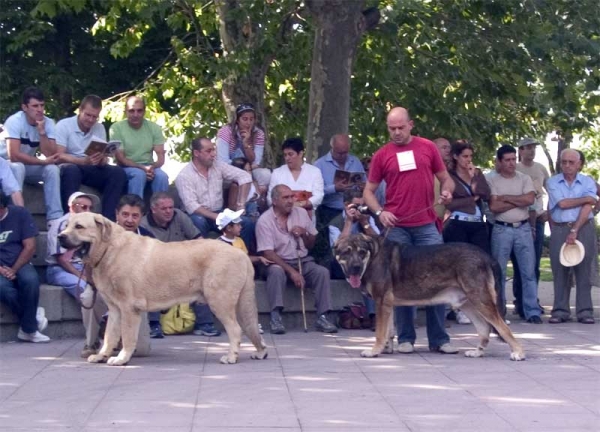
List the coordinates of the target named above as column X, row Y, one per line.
column 338, row 158
column 26, row 132
column 9, row 185
column 572, row 196
column 73, row 136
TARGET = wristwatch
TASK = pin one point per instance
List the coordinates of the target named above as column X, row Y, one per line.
column 366, row 226
column 573, row 230
column 378, row 212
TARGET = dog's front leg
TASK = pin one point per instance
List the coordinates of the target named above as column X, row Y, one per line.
column 130, row 327
column 112, row 335
column 383, row 310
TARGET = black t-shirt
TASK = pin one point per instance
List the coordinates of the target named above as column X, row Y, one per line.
column 17, row 226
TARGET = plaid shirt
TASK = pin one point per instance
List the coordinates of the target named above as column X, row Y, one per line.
column 197, row 191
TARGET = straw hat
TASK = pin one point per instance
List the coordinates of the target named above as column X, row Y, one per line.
column 572, row 254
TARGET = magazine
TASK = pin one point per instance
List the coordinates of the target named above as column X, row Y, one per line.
column 98, row 145
column 354, row 179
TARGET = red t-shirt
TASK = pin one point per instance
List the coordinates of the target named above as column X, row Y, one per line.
column 411, row 190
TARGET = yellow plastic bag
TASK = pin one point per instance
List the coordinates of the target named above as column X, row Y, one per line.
column 180, row 319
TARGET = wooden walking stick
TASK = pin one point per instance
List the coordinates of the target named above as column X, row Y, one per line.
column 302, row 286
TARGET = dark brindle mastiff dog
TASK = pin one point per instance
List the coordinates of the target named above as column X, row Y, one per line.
column 396, row 275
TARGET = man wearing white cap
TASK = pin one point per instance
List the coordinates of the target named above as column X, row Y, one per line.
column 572, row 196
column 66, row 270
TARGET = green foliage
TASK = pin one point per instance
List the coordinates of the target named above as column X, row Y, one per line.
column 488, row 71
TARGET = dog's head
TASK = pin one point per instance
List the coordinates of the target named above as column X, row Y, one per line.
column 83, row 231
column 354, row 254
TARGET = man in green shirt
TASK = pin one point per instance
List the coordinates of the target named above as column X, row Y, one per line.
column 140, row 138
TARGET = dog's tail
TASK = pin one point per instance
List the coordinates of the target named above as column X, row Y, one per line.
column 494, row 275
column 247, row 311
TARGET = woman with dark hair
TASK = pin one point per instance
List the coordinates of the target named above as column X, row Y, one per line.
column 304, row 179
column 465, row 223
column 244, row 138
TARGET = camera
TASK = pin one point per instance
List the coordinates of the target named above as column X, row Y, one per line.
column 362, row 209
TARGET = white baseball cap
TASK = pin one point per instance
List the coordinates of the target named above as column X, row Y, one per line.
column 571, row 254
column 93, row 198
column 228, row 216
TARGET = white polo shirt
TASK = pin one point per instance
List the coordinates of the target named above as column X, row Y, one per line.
column 69, row 135
column 17, row 127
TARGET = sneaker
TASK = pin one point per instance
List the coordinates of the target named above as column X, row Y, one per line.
column 260, row 329
column 557, row 320
column 206, row 330
column 405, row 348
column 156, row 331
column 461, row 318
column 42, row 321
column 586, row 320
column 36, row 337
column 445, row 349
column 325, row 326
column 90, row 350
column 535, row 319
column 277, row 326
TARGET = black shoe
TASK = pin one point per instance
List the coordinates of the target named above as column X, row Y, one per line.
column 156, row 331
column 535, row 320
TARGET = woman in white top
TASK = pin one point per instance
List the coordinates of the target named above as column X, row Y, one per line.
column 298, row 176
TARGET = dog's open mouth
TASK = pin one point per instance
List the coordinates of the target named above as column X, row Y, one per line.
column 83, row 250
column 354, row 281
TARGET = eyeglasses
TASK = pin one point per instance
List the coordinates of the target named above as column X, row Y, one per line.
column 83, row 207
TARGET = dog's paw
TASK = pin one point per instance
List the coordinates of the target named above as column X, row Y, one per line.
column 117, row 361
column 517, row 356
column 229, row 359
column 96, row 358
column 260, row 355
column 369, row 353
column 474, row 353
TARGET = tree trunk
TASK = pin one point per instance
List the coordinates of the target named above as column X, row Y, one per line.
column 339, row 26
column 248, row 87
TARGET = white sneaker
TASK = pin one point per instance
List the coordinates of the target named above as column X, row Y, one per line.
column 260, row 329
column 406, row 348
column 41, row 319
column 461, row 318
column 32, row 337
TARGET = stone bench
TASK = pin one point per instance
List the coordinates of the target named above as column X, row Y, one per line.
column 64, row 315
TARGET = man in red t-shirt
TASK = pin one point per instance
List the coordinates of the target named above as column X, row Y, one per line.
column 408, row 164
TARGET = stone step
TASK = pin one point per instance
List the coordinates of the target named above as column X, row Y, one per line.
column 64, row 315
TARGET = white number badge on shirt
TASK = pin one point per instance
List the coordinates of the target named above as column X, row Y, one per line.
column 406, row 161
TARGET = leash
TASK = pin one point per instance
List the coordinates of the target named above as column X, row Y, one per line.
column 93, row 289
column 388, row 229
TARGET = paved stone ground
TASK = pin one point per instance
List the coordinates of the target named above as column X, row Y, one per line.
column 310, row 382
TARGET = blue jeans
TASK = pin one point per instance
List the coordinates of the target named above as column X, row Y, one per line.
column 538, row 246
column 436, row 332
column 56, row 275
column 21, row 295
column 136, row 181
column 50, row 175
column 505, row 240
column 206, row 225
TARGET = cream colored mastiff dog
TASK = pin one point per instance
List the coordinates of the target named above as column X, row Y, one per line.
column 135, row 274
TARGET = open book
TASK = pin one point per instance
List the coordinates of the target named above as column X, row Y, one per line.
column 355, row 179
column 98, row 145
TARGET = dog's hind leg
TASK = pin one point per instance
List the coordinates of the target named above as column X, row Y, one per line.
column 248, row 316
column 517, row 353
column 130, row 327
column 384, row 307
column 482, row 327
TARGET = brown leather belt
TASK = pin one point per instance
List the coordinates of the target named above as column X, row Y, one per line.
column 569, row 224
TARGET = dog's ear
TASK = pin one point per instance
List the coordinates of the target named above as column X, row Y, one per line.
column 105, row 227
column 372, row 244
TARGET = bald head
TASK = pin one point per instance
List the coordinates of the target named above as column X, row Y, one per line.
column 444, row 147
column 399, row 125
column 340, row 147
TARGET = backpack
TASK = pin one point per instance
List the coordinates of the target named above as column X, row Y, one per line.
column 180, row 319
column 354, row 316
